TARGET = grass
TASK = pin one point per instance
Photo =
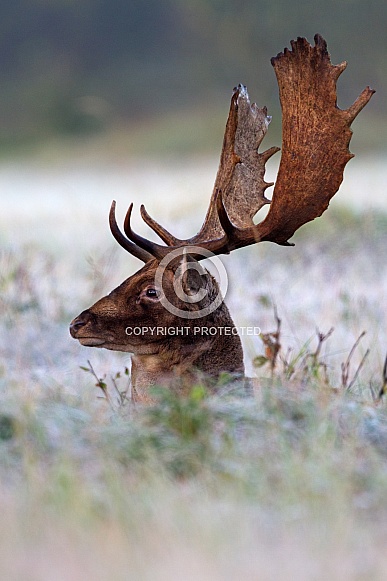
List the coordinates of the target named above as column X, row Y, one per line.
column 288, row 484
column 212, row 486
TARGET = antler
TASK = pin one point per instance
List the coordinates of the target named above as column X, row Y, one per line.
column 315, row 137
column 133, row 249
column 240, row 177
column 315, row 150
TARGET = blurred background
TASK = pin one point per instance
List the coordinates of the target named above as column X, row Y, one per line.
column 155, row 77
column 128, row 99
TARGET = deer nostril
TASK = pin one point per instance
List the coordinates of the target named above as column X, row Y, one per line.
column 78, row 323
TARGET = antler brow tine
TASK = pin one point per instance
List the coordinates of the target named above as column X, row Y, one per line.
column 156, row 250
column 123, row 241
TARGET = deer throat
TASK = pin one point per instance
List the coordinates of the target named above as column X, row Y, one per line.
column 181, row 368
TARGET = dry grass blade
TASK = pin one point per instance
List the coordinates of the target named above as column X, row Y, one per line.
column 345, row 367
column 384, row 385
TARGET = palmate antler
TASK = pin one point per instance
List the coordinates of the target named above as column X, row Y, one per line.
column 315, row 150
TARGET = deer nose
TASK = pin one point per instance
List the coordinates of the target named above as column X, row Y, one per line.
column 78, row 323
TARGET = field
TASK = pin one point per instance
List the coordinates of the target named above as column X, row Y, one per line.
column 290, row 485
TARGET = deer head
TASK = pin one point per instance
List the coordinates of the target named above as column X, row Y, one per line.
column 315, row 150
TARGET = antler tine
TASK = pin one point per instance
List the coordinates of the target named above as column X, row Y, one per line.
column 165, row 236
column 353, row 111
column 216, row 246
column 123, row 241
column 156, row 250
column 224, row 220
column 234, row 237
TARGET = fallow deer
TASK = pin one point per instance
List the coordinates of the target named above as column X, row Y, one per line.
column 315, row 150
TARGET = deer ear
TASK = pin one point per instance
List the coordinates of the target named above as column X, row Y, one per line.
column 190, row 274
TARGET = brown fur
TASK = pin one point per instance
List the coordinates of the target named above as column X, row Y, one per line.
column 174, row 361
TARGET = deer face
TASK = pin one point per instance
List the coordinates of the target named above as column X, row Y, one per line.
column 138, row 315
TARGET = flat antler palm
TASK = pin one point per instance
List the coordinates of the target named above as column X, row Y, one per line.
column 315, row 150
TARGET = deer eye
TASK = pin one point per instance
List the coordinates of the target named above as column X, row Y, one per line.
column 148, row 295
column 151, row 293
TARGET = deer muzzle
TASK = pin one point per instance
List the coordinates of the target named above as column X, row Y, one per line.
column 78, row 330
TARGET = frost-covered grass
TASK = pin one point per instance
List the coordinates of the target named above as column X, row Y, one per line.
column 290, row 484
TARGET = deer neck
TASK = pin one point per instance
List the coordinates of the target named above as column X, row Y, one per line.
column 178, row 367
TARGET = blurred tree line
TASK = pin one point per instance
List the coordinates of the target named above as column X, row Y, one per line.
column 81, row 66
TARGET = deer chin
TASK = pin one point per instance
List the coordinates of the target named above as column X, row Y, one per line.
column 112, row 346
column 91, row 341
